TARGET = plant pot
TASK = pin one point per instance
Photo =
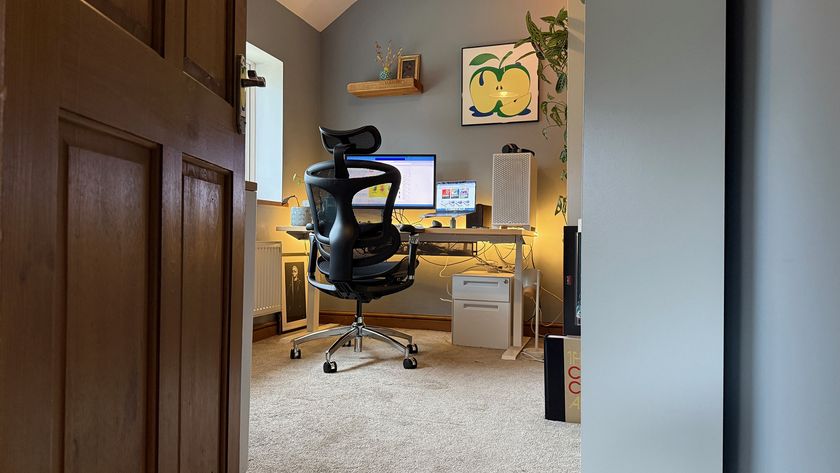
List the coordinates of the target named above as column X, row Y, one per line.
column 300, row 216
column 386, row 74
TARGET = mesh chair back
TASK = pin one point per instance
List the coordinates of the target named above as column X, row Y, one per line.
column 349, row 237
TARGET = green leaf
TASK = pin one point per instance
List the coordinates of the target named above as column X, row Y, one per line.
column 548, row 19
column 562, row 16
column 507, row 55
column 521, row 42
column 562, row 206
column 482, row 58
column 525, row 55
column 561, row 83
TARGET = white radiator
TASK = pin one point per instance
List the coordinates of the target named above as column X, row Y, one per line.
column 267, row 283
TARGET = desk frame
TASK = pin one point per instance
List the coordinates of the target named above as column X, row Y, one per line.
column 453, row 235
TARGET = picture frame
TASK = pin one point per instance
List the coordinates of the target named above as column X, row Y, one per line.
column 409, row 67
column 499, row 84
column 295, row 291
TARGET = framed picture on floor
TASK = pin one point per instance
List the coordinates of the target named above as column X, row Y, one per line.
column 499, row 84
column 295, row 292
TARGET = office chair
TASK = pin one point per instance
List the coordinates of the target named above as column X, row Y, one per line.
column 353, row 256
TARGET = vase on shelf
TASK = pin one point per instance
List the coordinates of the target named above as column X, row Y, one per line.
column 386, row 74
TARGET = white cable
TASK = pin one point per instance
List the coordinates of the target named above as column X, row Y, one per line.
column 552, row 294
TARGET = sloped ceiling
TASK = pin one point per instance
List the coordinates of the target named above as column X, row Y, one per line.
column 318, row 13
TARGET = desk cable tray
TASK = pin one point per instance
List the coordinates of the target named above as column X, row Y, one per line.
column 427, row 248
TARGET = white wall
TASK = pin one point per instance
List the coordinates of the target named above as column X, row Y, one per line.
column 783, row 278
column 652, row 261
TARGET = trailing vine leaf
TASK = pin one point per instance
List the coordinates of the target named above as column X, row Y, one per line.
column 562, row 206
column 482, row 58
column 552, row 49
column 561, row 83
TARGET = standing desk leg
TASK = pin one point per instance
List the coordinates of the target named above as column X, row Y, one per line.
column 517, row 342
column 313, row 309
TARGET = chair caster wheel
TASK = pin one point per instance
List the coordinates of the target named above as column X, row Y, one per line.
column 330, row 367
column 294, row 354
column 413, row 349
column 409, row 363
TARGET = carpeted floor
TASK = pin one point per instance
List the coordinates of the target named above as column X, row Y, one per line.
column 462, row 410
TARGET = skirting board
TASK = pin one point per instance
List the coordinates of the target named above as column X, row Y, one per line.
column 441, row 323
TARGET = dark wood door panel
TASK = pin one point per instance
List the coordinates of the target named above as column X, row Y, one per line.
column 205, row 315
column 120, row 265
column 206, row 52
column 142, row 19
column 145, row 94
column 110, row 337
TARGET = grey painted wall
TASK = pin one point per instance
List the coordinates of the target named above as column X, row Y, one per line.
column 279, row 32
column 438, row 29
column 783, row 261
column 653, row 228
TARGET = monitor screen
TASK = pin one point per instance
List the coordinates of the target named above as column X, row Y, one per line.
column 455, row 196
column 417, row 188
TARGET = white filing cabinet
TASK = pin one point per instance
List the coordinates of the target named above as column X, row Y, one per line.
column 481, row 309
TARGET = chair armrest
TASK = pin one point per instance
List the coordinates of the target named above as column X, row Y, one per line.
column 310, row 227
column 406, row 228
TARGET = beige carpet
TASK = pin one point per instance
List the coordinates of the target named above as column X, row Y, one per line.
column 462, row 410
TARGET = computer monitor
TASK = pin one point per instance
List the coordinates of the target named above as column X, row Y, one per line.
column 417, row 187
column 455, row 197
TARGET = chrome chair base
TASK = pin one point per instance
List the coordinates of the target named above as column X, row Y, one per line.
column 355, row 334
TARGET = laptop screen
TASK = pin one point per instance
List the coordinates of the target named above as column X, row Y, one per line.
column 455, row 197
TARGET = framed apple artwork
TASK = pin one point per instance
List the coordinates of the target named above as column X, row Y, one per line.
column 499, row 84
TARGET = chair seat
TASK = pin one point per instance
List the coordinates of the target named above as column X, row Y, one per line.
column 386, row 269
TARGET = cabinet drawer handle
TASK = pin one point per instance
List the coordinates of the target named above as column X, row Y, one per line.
column 481, row 283
column 481, row 306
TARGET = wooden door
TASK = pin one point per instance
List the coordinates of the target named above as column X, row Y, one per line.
column 122, row 227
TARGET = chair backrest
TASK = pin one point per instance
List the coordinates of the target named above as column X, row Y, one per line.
column 342, row 239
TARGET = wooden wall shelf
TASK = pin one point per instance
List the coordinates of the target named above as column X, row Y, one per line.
column 383, row 88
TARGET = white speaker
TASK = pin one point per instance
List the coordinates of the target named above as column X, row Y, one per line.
column 514, row 190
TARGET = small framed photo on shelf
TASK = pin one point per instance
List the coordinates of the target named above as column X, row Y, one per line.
column 295, row 292
column 409, row 67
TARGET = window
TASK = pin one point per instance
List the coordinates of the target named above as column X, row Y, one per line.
column 264, row 129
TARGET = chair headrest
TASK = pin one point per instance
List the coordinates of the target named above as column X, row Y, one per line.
column 364, row 140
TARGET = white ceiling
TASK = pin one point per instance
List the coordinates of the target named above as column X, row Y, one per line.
column 318, row 13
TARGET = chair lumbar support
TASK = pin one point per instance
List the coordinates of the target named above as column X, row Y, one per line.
column 353, row 335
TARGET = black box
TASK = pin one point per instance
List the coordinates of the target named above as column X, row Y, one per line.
column 481, row 218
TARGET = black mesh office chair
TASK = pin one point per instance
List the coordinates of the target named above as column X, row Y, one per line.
column 352, row 248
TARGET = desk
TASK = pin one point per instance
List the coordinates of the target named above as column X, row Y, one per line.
column 456, row 235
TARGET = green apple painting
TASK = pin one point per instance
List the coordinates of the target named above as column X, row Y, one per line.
column 499, row 85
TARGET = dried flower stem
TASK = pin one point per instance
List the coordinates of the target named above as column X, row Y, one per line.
column 389, row 57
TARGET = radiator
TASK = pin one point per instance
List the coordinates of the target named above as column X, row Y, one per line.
column 267, row 283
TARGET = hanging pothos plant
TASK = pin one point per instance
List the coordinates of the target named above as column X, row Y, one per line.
column 551, row 45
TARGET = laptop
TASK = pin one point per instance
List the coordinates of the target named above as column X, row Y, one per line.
column 454, row 198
